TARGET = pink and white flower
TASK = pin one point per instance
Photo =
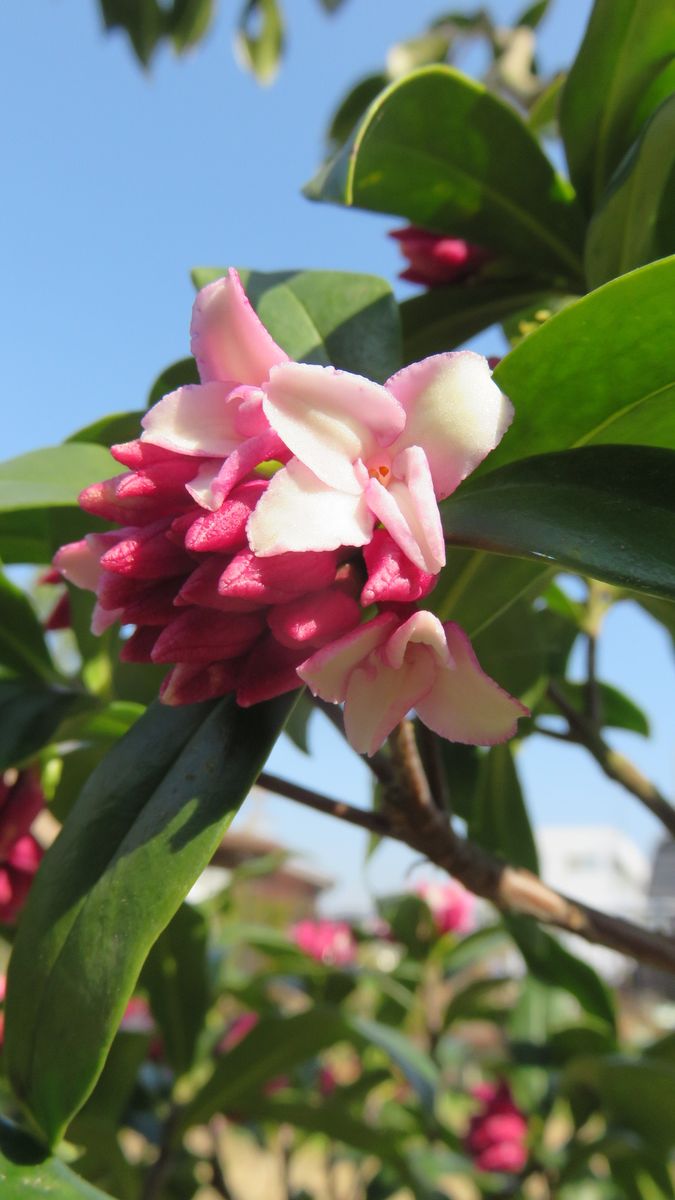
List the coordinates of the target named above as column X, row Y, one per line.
column 364, row 453
column 386, row 667
column 330, row 942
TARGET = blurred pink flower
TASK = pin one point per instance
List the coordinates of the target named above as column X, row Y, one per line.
column 452, row 907
column 497, row 1135
column 330, row 942
column 21, row 799
column 435, row 259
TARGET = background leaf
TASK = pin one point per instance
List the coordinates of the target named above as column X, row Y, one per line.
column 552, row 964
column 175, row 975
column 634, row 224
column 146, row 824
column 498, row 817
column 474, row 171
column 627, row 45
column 605, row 511
column 442, row 318
column 601, row 370
column 26, row 1172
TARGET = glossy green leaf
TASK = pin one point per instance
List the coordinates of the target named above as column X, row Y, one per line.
column 30, row 711
column 27, row 1173
column 278, row 1044
column 52, row 477
column 543, row 114
column 175, row 975
column 260, row 38
column 616, row 710
column 634, row 223
column 475, row 587
column 513, row 649
column 604, row 511
column 146, row 824
column 352, row 108
column 474, row 171
column 498, row 818
column 601, row 370
column 626, row 46
column 478, row 1001
column 552, row 964
column 118, row 427
column 22, row 644
column 325, row 317
column 297, row 725
column 443, row 318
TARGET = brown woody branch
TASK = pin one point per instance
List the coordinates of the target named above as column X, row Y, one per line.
column 412, row 817
column 615, row 766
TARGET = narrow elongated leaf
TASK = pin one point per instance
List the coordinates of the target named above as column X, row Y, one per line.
column 278, row 1044
column 326, row 317
column 22, row 644
column 634, row 224
column 176, row 978
column 552, row 964
column 27, row 1173
column 474, row 171
column 30, row 711
column 605, row 511
column 52, row 477
column 146, row 824
column 498, row 817
column 475, row 587
column 443, row 318
column 627, row 45
column 636, row 1093
column 602, row 370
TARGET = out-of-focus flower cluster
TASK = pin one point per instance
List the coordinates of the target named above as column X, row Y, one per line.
column 451, row 906
column 497, row 1134
column 21, row 799
column 263, row 512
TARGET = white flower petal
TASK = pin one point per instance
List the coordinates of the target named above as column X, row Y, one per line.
column 299, row 512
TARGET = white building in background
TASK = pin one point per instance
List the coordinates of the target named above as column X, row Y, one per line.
column 604, row 868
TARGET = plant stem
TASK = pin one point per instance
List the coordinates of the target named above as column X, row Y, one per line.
column 511, row 889
column 614, row 765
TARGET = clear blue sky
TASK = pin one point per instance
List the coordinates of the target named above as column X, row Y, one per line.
column 117, row 182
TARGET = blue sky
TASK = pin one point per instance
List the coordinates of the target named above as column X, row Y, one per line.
column 117, row 182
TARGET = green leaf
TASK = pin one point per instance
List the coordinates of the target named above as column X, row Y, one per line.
column 29, row 713
column 175, row 976
column 352, row 108
column 475, row 587
column 476, row 1000
column 613, row 351
column 22, row 644
column 604, row 511
column 626, row 46
column 638, row 1094
column 260, row 38
column 634, row 223
column 297, row 725
column 474, row 171
column 26, row 1171
column 177, row 375
column 544, row 112
column 278, row 1044
column 552, row 964
column 442, row 318
column 498, row 818
column 326, row 317
column 118, row 427
column 512, row 649
column 143, row 20
column 616, row 710
column 146, row 823
column 52, row 477
column 189, row 22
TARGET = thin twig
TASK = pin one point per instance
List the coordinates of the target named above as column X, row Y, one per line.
column 365, row 819
column 424, row 828
column 614, row 765
column 156, row 1176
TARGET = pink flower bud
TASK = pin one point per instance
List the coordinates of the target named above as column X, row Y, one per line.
column 435, row 259
column 330, row 942
column 497, row 1135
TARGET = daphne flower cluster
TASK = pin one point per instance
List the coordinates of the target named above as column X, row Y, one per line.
column 451, row 906
column 262, row 511
column 497, row 1134
column 21, row 799
column 435, row 260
